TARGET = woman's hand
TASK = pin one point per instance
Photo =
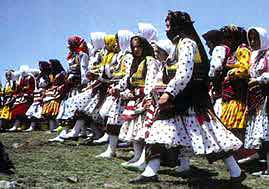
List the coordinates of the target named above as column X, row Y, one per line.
column 252, row 82
column 163, row 99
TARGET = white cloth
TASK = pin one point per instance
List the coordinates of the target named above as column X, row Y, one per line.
column 148, row 31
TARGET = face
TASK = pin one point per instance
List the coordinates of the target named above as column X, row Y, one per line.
column 254, row 39
column 137, row 49
column 168, row 25
column 8, row 75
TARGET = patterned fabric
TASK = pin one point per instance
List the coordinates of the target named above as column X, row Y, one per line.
column 257, row 125
column 196, row 133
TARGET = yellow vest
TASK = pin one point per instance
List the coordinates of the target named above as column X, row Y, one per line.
column 138, row 78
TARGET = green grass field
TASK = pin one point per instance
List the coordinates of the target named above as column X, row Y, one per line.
column 40, row 164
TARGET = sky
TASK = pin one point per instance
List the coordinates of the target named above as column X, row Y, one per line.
column 33, row 30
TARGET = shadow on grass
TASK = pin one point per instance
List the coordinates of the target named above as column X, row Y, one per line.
column 199, row 179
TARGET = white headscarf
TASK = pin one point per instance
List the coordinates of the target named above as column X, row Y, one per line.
column 24, row 70
column 263, row 35
column 148, row 31
column 98, row 39
column 165, row 45
column 124, row 37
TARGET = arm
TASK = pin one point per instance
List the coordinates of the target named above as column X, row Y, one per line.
column 84, row 61
column 185, row 65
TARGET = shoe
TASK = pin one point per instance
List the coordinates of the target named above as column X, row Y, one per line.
column 70, row 136
column 142, row 179
column 132, row 167
column 106, row 155
column 241, row 178
column 30, row 129
column 13, row 129
column 56, row 139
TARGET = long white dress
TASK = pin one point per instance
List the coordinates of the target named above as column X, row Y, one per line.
column 257, row 125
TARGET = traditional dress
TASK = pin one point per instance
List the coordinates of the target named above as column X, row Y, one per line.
column 140, row 85
column 203, row 133
column 8, row 99
column 257, row 125
column 235, row 89
column 23, row 95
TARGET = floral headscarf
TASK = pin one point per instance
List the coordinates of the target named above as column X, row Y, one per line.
column 78, row 45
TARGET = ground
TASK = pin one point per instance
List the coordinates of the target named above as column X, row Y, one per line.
column 40, row 164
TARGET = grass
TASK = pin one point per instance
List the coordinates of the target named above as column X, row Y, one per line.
column 40, row 164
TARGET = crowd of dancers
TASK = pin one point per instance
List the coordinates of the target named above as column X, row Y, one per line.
column 157, row 95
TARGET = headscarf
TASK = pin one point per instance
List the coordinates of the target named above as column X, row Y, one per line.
column 182, row 26
column 44, row 66
column 78, row 45
column 111, row 47
column 147, row 48
column 236, row 34
column 148, row 31
column 124, row 37
column 263, row 35
column 215, row 36
column 97, row 39
column 165, row 45
column 56, row 67
column 24, row 70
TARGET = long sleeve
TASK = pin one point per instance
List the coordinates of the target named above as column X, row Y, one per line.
column 84, row 62
column 186, row 51
column 153, row 68
column 218, row 56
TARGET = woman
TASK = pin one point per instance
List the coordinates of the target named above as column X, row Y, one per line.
column 95, row 93
column 112, row 108
column 257, row 136
column 8, row 99
column 194, row 127
column 43, row 82
column 143, row 70
column 23, row 96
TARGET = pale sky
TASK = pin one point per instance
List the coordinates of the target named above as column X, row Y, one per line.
column 33, row 30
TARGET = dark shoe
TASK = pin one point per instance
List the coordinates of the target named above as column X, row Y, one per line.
column 142, row 179
column 241, row 178
column 70, row 138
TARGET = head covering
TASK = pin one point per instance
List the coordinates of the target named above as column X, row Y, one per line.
column 56, row 66
column 148, row 31
column 44, row 66
column 111, row 43
column 124, row 37
column 77, row 45
column 24, row 70
column 97, row 39
column 215, row 36
column 263, row 35
column 9, row 74
column 181, row 26
column 165, row 45
column 147, row 48
column 235, row 34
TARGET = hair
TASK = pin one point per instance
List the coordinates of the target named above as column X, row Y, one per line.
column 145, row 45
column 237, row 35
column 56, row 67
column 215, row 36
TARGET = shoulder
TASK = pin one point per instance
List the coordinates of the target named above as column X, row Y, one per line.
column 186, row 44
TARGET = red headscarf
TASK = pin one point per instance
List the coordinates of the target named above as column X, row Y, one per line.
column 77, row 45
